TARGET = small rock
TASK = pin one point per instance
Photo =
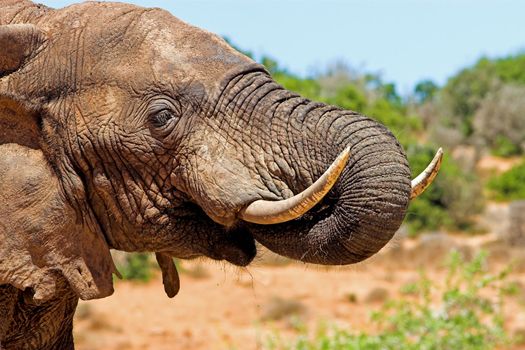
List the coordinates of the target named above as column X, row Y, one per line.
column 350, row 297
column 279, row 308
column 377, row 294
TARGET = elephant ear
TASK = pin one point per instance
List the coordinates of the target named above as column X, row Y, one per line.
column 19, row 42
column 42, row 236
column 41, row 239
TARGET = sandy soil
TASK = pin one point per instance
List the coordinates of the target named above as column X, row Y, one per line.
column 497, row 164
column 223, row 307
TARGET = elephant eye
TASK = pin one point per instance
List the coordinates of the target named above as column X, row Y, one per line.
column 163, row 117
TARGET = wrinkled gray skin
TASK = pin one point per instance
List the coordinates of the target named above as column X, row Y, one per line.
column 126, row 128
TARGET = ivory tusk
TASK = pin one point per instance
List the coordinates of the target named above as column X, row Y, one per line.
column 273, row 212
column 423, row 180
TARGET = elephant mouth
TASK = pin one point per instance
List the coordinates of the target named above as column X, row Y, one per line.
column 235, row 244
column 237, row 247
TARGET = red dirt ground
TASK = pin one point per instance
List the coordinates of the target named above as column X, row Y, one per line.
column 223, row 307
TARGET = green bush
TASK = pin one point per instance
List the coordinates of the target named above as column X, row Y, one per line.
column 308, row 88
column 349, row 97
column 499, row 121
column 503, row 147
column 509, row 185
column 463, row 93
column 137, row 267
column 465, row 317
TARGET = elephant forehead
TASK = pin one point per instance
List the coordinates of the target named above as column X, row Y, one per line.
column 130, row 45
column 179, row 48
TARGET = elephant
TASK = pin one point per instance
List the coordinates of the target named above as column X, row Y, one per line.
column 126, row 128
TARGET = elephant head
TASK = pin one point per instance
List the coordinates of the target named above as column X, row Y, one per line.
column 158, row 136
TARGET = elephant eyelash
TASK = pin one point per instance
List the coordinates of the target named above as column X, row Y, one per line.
column 161, row 118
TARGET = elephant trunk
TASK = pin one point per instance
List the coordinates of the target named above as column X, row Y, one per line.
column 300, row 140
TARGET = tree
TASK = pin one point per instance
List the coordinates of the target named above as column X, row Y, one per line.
column 425, row 91
column 500, row 120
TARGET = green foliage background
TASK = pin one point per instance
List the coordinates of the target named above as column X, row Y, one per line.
column 510, row 185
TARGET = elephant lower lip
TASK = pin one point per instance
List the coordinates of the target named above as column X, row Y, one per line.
column 237, row 247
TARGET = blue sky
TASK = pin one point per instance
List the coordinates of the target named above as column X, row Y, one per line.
column 406, row 41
